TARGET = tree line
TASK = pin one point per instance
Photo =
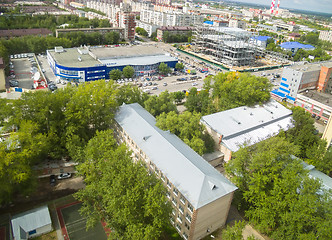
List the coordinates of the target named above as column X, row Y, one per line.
column 169, row 37
column 49, row 21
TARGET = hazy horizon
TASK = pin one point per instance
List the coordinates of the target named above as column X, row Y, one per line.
column 323, row 6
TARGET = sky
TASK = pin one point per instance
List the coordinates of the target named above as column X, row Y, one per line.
column 309, row 5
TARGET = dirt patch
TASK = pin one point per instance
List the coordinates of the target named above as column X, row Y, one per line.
column 44, row 193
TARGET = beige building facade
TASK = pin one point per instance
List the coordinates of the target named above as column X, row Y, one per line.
column 2, row 75
column 199, row 194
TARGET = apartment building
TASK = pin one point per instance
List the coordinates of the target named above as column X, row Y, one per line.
column 325, row 35
column 150, row 28
column 234, row 23
column 126, row 20
column 170, row 19
column 199, row 194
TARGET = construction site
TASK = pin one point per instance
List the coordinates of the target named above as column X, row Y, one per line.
column 233, row 48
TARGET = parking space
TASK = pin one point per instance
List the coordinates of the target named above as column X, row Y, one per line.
column 21, row 69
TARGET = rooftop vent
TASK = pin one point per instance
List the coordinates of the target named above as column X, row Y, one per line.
column 212, row 186
column 146, row 138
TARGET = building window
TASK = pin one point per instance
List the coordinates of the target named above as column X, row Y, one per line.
column 182, row 199
column 173, row 211
column 175, row 191
column 190, row 208
column 181, row 209
column 179, row 219
column 172, row 221
column 178, row 227
column 185, row 236
column 188, row 217
column 168, row 195
column 186, row 225
column 169, row 184
column 162, row 177
column 174, row 201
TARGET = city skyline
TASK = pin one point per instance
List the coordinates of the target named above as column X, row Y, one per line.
column 323, row 6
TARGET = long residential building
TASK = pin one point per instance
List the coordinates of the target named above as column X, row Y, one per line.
column 199, row 194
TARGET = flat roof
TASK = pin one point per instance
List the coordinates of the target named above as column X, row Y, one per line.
column 69, row 58
column 30, row 220
column 134, row 61
column 320, row 97
column 310, row 66
column 125, row 51
column 196, row 179
column 249, row 125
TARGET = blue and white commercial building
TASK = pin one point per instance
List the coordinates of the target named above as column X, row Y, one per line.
column 93, row 63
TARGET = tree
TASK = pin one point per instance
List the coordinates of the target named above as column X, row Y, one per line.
column 164, row 69
column 179, row 66
column 115, row 74
column 131, row 202
column 130, row 94
column 160, row 104
column 303, row 132
column 233, row 89
column 187, row 126
column 234, row 232
column 128, row 72
column 278, row 192
column 199, row 102
column 178, row 96
column 141, row 31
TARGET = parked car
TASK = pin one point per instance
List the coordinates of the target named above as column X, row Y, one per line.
column 13, row 83
column 165, row 84
column 52, row 180
column 52, row 87
column 64, row 176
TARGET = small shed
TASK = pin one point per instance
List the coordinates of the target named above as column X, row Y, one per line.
column 32, row 223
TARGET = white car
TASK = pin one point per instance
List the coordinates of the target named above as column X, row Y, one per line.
column 64, row 176
column 194, row 83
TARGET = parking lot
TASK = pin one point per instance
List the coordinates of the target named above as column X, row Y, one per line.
column 22, row 72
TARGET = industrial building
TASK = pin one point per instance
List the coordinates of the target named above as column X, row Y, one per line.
column 241, row 126
column 294, row 46
column 304, row 77
column 94, row 63
column 200, row 196
column 231, row 46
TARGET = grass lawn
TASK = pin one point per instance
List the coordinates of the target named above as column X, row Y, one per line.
column 47, row 236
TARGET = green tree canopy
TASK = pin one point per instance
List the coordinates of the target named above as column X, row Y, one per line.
column 120, row 192
column 115, row 74
column 128, row 72
column 278, row 193
column 160, row 104
column 234, row 89
column 163, row 68
column 179, row 66
column 187, row 126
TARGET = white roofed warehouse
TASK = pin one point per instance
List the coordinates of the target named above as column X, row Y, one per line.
column 199, row 194
column 233, row 128
column 86, row 64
